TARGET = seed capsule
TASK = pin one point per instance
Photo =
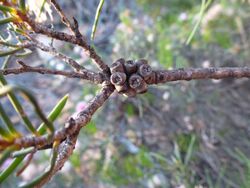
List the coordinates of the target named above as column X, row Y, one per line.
column 145, row 71
column 118, row 78
column 135, row 81
column 140, row 62
column 118, row 66
column 130, row 67
column 143, row 87
column 151, row 79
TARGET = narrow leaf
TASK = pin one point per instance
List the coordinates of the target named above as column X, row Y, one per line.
column 5, row 155
column 52, row 117
column 18, row 107
column 6, row 8
column 6, row 89
column 6, row 20
column 204, row 6
column 42, row 7
column 40, row 178
column 6, row 62
column 97, row 15
column 5, row 134
column 5, row 173
column 190, row 150
column 2, row 54
column 22, row 152
column 8, row 123
column 8, row 44
column 23, row 54
column 56, row 111
column 22, row 5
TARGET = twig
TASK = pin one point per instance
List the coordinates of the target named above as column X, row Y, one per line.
column 74, row 28
column 80, row 41
column 27, row 162
column 69, row 132
column 54, row 52
column 73, row 125
column 93, row 77
column 65, row 151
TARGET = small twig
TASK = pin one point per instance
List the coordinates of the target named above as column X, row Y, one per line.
column 54, row 52
column 93, row 77
column 27, row 162
column 65, row 151
column 73, row 125
column 78, row 40
column 73, row 27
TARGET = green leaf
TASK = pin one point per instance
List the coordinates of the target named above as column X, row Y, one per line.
column 97, row 15
column 2, row 54
column 5, row 134
column 18, row 107
column 8, row 44
column 42, row 7
column 56, row 111
column 5, row 155
column 6, row 62
column 6, row 89
column 6, row 20
column 23, row 54
column 8, row 123
column 52, row 117
column 190, row 150
column 6, row 9
column 40, row 178
column 204, row 6
column 22, row 5
column 23, row 152
column 5, row 173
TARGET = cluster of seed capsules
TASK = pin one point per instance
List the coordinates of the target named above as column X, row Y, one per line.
column 131, row 77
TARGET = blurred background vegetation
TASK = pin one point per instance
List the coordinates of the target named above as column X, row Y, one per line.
column 183, row 134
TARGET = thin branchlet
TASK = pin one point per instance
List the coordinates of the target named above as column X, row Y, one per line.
column 74, row 39
column 54, row 52
column 96, row 78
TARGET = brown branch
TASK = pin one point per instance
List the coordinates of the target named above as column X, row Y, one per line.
column 53, row 51
column 79, row 40
column 65, row 151
column 73, row 27
column 93, row 77
column 69, row 132
column 133, row 77
column 73, row 125
column 199, row 73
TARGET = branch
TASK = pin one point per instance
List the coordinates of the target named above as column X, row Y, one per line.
column 53, row 51
column 65, row 151
column 133, row 77
column 73, row 125
column 69, row 132
column 200, row 73
column 74, row 28
column 79, row 40
column 96, row 78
